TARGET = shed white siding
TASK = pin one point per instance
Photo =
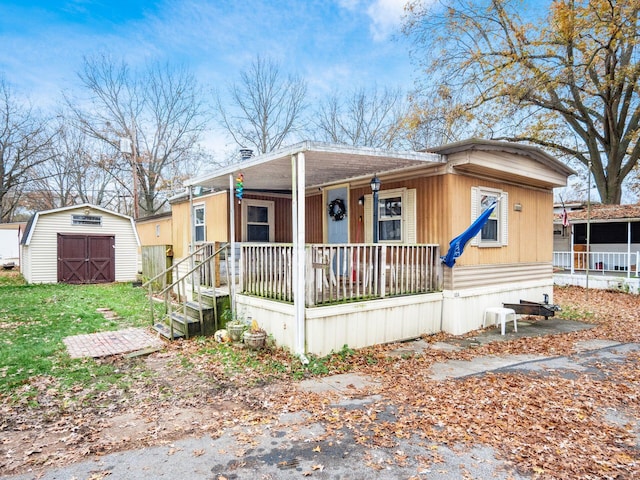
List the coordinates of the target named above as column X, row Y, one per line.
column 40, row 252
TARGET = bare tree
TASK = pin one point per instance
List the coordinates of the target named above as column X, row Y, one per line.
column 568, row 82
column 264, row 109
column 150, row 121
column 81, row 170
column 25, row 143
column 366, row 118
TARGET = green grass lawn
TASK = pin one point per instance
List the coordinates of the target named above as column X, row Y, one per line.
column 35, row 318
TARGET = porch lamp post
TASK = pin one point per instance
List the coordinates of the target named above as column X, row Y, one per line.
column 375, row 188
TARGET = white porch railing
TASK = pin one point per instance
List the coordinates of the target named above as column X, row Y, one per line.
column 341, row 272
column 619, row 263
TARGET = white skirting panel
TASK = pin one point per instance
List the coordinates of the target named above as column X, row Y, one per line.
column 374, row 322
column 463, row 310
column 277, row 318
column 357, row 325
column 599, row 281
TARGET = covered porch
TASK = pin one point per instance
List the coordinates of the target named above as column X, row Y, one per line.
column 308, row 283
column 354, row 294
column 335, row 245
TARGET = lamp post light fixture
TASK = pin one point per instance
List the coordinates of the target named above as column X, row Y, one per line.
column 375, row 188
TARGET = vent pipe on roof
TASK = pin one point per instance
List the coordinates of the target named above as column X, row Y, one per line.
column 246, row 153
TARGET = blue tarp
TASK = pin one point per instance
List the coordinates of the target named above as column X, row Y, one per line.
column 456, row 246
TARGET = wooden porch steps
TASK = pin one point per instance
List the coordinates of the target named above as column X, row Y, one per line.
column 185, row 317
column 164, row 330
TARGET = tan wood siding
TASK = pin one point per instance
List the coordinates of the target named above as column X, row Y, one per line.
column 148, row 231
column 181, row 228
column 216, row 210
column 508, row 167
column 431, row 219
column 529, row 230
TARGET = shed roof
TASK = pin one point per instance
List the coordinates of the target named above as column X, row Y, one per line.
column 31, row 224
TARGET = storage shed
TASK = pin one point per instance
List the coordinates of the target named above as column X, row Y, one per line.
column 80, row 244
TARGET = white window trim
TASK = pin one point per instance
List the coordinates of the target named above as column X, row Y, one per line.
column 397, row 192
column 502, row 212
column 408, row 217
column 246, row 202
column 198, row 206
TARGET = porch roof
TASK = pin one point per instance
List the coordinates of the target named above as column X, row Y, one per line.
column 326, row 164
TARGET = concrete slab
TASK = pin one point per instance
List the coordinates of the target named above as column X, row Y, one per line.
column 446, row 347
column 595, row 344
column 551, row 364
column 526, row 328
column 345, row 383
column 463, row 368
column 590, row 361
column 414, row 347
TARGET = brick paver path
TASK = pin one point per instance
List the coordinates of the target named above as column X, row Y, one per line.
column 103, row 344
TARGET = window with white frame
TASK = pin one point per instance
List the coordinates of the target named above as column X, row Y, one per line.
column 494, row 232
column 390, row 218
column 199, row 223
column 258, row 220
column 396, row 216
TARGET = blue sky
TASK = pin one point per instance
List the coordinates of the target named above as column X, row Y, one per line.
column 333, row 44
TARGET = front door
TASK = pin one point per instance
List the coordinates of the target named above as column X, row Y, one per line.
column 337, row 224
column 86, row 258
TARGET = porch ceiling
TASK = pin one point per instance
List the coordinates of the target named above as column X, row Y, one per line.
column 326, row 164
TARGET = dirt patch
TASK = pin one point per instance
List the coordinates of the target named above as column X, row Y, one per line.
column 182, row 392
column 164, row 403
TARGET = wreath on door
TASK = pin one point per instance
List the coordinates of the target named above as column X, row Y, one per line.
column 337, row 209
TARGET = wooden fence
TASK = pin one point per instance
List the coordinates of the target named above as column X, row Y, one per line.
column 155, row 260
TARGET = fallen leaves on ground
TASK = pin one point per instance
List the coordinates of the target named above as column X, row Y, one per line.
column 546, row 425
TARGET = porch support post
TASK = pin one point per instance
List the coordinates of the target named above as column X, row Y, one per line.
column 628, row 249
column 572, row 251
column 299, row 257
column 232, row 242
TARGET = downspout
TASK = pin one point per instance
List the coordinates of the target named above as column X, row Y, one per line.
column 299, row 257
column 232, row 242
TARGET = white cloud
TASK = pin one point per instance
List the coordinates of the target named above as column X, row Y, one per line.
column 351, row 5
column 386, row 17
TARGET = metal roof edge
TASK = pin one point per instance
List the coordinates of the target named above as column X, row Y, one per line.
column 308, row 146
column 497, row 145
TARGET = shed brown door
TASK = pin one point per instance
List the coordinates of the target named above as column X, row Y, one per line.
column 86, row 258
